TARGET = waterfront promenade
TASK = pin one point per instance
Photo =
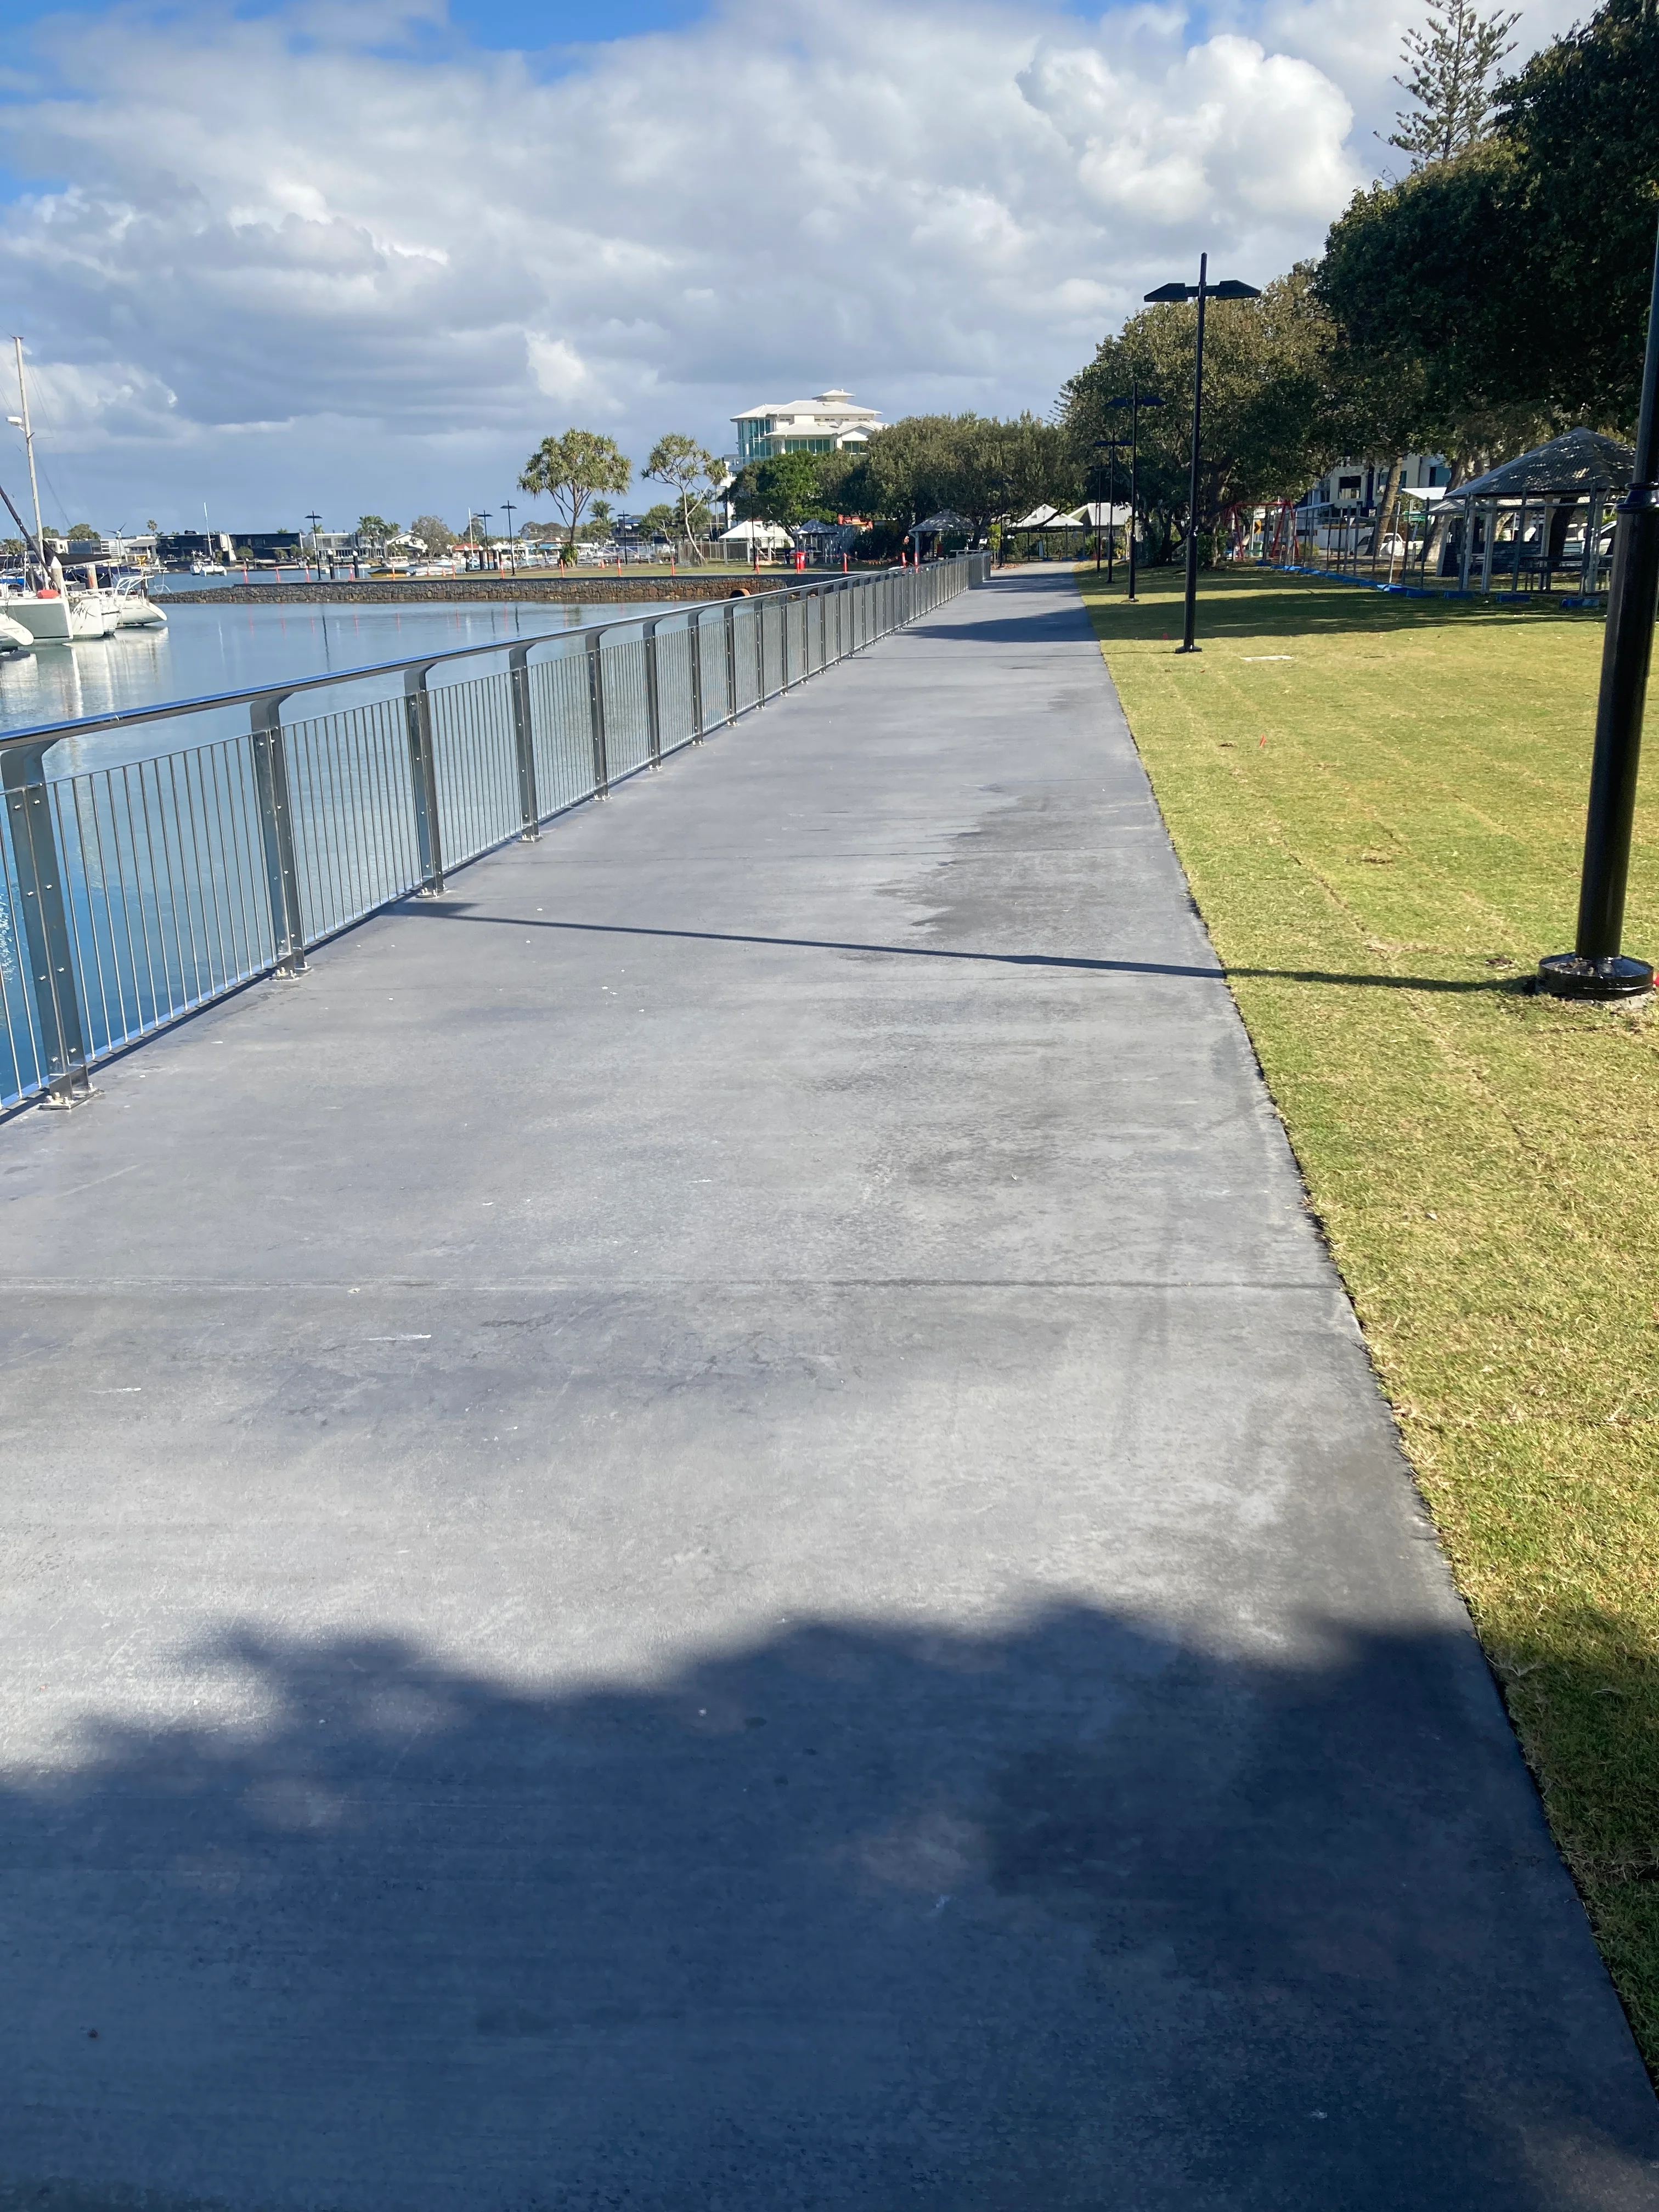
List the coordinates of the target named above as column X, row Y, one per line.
column 703, row 1528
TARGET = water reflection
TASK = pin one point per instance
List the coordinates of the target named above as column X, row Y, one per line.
column 207, row 649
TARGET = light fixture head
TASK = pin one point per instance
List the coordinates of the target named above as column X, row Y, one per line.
column 1173, row 292
column 1230, row 288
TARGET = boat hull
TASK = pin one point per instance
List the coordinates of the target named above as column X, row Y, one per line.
column 60, row 620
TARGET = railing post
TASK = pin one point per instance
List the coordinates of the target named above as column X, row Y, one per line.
column 423, row 779
column 693, row 641
column 784, row 598
column 518, row 682
column 596, row 713
column 275, row 796
column 731, row 626
column 652, row 705
column 46, row 931
column 760, row 652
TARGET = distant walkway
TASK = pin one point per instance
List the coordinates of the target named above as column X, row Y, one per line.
column 703, row 1528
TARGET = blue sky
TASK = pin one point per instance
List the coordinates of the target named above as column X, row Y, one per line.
column 292, row 254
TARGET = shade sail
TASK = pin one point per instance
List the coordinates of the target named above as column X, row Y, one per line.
column 1579, row 461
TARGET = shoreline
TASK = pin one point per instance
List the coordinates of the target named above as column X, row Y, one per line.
column 568, row 591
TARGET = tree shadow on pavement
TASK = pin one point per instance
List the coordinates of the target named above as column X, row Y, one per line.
column 1068, row 1917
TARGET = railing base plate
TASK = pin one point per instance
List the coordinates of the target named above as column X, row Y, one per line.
column 62, row 1098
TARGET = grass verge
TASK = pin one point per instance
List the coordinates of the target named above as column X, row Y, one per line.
column 1379, row 804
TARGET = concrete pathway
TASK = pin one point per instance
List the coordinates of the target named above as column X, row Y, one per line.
column 704, row 1529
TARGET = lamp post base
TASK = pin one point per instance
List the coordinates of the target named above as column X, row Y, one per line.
column 1189, row 649
column 1568, row 975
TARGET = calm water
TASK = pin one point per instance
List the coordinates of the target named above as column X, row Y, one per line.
column 205, row 649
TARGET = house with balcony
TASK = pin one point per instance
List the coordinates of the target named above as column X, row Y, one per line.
column 822, row 424
column 1353, row 488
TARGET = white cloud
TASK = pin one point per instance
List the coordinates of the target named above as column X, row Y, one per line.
column 304, row 263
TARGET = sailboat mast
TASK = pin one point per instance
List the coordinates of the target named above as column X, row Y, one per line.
column 28, row 445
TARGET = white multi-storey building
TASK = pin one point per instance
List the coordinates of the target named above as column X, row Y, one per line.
column 818, row 425
column 1360, row 483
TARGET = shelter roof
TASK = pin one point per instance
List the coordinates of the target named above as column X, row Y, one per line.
column 946, row 518
column 1046, row 517
column 1579, row 460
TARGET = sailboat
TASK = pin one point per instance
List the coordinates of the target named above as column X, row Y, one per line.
column 55, row 612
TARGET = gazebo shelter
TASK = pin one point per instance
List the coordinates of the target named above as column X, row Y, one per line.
column 1539, row 494
column 946, row 523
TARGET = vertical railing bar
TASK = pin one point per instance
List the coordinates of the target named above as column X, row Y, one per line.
column 218, row 936
column 41, row 909
column 189, row 870
column 127, row 1013
column 694, row 635
column 231, row 818
column 173, row 904
column 524, row 743
column 109, row 924
column 417, row 709
column 596, row 712
column 275, row 787
column 652, row 698
column 144, row 933
column 203, row 958
column 78, row 971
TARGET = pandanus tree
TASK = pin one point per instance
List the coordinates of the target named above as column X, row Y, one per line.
column 573, row 469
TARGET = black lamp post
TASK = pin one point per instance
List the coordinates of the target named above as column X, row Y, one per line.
column 1229, row 288
column 509, row 510
column 1596, row 968
column 1136, row 400
column 1110, row 447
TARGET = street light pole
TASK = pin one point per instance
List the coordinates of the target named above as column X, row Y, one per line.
column 1596, row 968
column 1229, row 288
column 512, row 549
column 1109, row 447
column 1136, row 400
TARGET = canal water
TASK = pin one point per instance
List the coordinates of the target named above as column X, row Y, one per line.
column 207, row 649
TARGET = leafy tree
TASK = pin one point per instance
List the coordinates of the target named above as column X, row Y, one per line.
column 1451, row 85
column 374, row 530
column 783, row 488
column 976, row 466
column 691, row 471
column 1433, row 331
column 434, row 533
column 572, row 469
column 661, row 521
column 1583, row 120
column 78, row 532
column 153, row 526
column 1510, row 280
column 12, row 551
column 1270, row 426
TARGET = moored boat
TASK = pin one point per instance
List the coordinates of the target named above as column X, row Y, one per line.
column 65, row 617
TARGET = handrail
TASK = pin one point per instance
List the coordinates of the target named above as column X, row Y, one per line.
column 129, row 718
column 134, row 892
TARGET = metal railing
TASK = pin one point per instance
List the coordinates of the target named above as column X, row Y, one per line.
column 132, row 895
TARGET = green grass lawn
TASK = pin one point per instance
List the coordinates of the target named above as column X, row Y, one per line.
column 1380, row 804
